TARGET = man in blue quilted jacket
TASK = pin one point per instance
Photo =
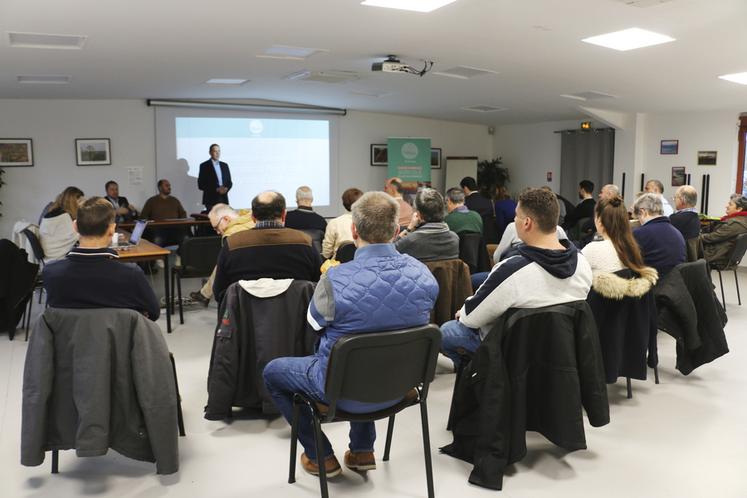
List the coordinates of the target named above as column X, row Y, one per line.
column 379, row 290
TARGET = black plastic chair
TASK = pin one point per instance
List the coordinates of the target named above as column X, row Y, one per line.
column 198, row 258
column 345, row 252
column 316, row 237
column 740, row 247
column 38, row 251
column 374, row 368
column 472, row 250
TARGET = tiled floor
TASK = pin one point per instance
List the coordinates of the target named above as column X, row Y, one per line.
column 686, row 437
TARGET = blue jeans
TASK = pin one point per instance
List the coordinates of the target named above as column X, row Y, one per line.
column 455, row 335
column 285, row 376
column 478, row 279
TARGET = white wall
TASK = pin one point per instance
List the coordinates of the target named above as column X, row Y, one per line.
column 55, row 124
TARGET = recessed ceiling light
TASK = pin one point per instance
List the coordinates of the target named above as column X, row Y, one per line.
column 44, row 79
column 740, row 78
column 285, row 52
column 629, row 39
column 484, row 108
column 43, row 40
column 464, row 72
column 589, row 95
column 226, row 81
column 416, row 5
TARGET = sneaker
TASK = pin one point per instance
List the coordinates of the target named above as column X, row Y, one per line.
column 197, row 297
column 360, row 461
column 331, row 465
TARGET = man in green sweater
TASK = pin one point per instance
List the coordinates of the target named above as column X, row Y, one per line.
column 460, row 219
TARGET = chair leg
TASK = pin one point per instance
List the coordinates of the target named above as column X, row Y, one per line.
column 389, row 431
column 736, row 282
column 179, row 415
column 721, row 281
column 179, row 290
column 630, row 388
column 427, row 448
column 656, row 374
column 294, row 444
column 173, row 276
column 320, row 456
column 28, row 315
column 55, row 461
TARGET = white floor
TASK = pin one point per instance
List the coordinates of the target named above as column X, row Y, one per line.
column 686, row 437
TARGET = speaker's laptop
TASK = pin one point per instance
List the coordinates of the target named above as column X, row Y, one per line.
column 137, row 233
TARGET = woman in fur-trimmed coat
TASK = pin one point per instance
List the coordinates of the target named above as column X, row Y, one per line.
column 620, row 298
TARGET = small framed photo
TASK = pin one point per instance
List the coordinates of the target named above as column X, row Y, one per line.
column 93, row 151
column 707, row 157
column 669, row 147
column 436, row 158
column 679, row 177
column 379, row 155
column 16, row 152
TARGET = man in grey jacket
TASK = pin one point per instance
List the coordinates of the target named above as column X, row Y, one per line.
column 427, row 237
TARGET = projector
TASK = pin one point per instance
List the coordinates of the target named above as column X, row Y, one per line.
column 394, row 65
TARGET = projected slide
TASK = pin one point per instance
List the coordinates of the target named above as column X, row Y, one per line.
column 263, row 154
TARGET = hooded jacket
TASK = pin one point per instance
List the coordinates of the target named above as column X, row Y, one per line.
column 532, row 279
column 719, row 244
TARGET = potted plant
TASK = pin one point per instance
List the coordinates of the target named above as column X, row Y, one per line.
column 490, row 176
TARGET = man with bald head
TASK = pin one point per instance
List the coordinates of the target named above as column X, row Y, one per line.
column 686, row 218
column 269, row 250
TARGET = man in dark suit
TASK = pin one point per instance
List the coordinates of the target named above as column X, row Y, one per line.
column 124, row 211
column 214, row 180
column 686, row 218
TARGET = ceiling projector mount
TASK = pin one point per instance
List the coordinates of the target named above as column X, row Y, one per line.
column 393, row 65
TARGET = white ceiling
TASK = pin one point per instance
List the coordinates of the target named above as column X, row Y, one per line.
column 169, row 48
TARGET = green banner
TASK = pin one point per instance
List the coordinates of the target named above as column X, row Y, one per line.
column 410, row 160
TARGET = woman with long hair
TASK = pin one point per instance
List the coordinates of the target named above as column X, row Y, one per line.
column 56, row 230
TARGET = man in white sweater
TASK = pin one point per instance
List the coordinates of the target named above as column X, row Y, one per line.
column 545, row 272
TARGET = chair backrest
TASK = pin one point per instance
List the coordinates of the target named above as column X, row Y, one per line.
column 472, row 251
column 382, row 366
column 316, row 237
column 740, row 247
column 35, row 244
column 345, row 252
column 199, row 255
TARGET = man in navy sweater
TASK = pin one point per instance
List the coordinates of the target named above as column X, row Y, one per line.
column 90, row 275
column 686, row 218
column 662, row 245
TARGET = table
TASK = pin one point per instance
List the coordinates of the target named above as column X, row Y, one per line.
column 148, row 251
column 174, row 222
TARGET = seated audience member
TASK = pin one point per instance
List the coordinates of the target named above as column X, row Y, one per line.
column 686, row 218
column 338, row 229
column 662, row 245
column 609, row 191
column 160, row 207
column 304, row 218
column 617, row 250
column 334, row 312
column 56, row 232
column 269, row 250
column 544, row 272
column 427, row 237
column 505, row 209
column 510, row 242
column 656, row 187
column 123, row 209
column 584, row 209
column 393, row 187
column 474, row 200
column 460, row 219
column 719, row 244
column 225, row 221
column 90, row 275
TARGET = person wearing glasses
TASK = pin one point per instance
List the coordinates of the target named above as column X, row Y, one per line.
column 225, row 221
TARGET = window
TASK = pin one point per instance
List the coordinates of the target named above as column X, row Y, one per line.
column 741, row 184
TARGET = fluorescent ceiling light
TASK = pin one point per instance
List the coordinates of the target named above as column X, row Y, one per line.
column 285, row 52
column 629, row 39
column 226, row 81
column 740, row 78
column 44, row 79
column 44, row 40
column 416, row 5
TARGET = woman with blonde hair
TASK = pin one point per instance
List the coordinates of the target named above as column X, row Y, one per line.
column 56, row 230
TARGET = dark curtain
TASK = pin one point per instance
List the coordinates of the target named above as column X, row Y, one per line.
column 586, row 155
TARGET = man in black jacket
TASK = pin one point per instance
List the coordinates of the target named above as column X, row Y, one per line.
column 686, row 218
column 124, row 210
column 214, row 180
column 585, row 208
column 473, row 199
column 304, row 218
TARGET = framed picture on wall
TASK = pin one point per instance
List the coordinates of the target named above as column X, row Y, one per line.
column 678, row 176
column 707, row 157
column 379, row 155
column 669, row 147
column 436, row 158
column 16, row 152
column 93, row 151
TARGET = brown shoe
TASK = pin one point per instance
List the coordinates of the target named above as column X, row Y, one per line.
column 331, row 465
column 360, row 461
column 199, row 298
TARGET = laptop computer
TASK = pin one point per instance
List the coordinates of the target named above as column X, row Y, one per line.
column 137, row 233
